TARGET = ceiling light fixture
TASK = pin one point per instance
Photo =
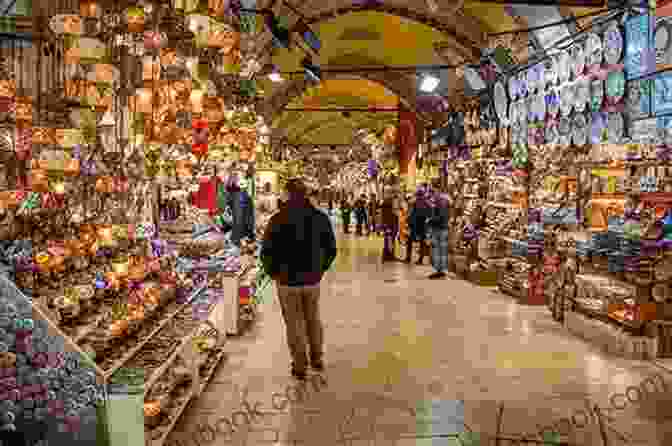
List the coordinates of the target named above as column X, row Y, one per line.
column 429, row 83
column 275, row 75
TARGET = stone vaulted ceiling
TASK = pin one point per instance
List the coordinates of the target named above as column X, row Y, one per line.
column 394, row 33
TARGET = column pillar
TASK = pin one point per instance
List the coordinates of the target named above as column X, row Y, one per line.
column 407, row 142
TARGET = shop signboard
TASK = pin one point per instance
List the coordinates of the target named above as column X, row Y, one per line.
column 639, row 47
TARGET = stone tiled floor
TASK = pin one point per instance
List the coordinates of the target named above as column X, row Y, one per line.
column 395, row 339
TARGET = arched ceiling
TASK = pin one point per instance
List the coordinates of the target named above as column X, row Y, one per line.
column 395, row 33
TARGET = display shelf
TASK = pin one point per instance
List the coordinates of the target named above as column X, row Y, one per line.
column 189, row 394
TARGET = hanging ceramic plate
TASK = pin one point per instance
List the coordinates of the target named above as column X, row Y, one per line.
column 513, row 88
column 512, row 112
column 552, row 135
column 582, row 95
column 615, row 88
column 522, row 84
column 532, row 80
column 594, row 50
column 551, row 72
column 565, row 131
column 553, row 103
column 613, row 44
column 615, row 125
column 578, row 60
column 596, row 95
column 564, row 67
column 566, row 99
column 598, row 125
column 663, row 37
column 529, row 109
column 540, row 107
column 501, row 103
column 579, row 130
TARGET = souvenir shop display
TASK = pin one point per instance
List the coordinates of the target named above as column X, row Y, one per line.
column 571, row 211
column 111, row 244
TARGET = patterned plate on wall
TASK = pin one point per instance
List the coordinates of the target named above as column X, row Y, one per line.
column 616, row 128
column 596, row 95
column 551, row 71
column 564, row 67
column 579, row 130
column 501, row 103
column 594, row 50
column 566, row 99
column 613, row 44
column 553, row 102
column 582, row 95
column 578, row 59
column 513, row 88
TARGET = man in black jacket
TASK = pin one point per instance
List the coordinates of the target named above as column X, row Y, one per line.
column 298, row 248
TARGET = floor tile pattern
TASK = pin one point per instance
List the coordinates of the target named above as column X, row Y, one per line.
column 395, row 340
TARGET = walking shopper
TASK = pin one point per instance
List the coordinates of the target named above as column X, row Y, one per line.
column 299, row 247
column 373, row 209
column 403, row 225
column 420, row 213
column 438, row 225
column 360, row 214
column 346, row 213
column 390, row 227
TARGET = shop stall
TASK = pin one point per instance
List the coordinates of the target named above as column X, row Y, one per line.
column 121, row 271
column 559, row 177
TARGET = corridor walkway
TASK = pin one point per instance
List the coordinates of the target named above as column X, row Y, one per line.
column 395, row 340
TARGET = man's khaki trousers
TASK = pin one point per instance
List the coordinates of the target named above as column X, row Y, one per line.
column 301, row 312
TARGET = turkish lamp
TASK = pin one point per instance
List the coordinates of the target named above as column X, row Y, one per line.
column 275, row 76
column 106, row 132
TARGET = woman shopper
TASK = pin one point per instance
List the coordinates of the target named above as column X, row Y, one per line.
column 360, row 214
column 438, row 225
column 346, row 212
column 417, row 221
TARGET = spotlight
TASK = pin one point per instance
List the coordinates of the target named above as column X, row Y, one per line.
column 311, row 70
column 274, row 74
column 429, row 83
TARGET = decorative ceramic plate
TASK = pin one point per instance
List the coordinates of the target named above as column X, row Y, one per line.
column 553, row 103
column 541, row 73
column 501, row 102
column 515, row 132
column 513, row 88
column 566, row 99
column 552, row 135
column 615, row 125
column 565, row 131
column 615, row 88
column 533, row 79
column 522, row 84
column 578, row 59
column 663, row 36
column 529, row 108
column 513, row 113
column 596, row 95
column 551, row 71
column 564, row 67
column 582, row 95
column 613, row 44
column 540, row 106
column 594, row 49
column 579, row 130
column 598, row 124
